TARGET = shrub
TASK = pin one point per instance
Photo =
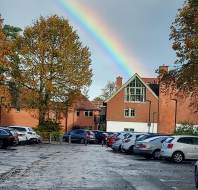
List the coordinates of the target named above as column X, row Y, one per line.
column 187, row 128
column 49, row 126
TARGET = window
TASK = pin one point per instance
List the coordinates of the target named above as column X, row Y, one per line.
column 78, row 113
column 195, row 141
column 129, row 130
column 135, row 91
column 88, row 113
column 185, row 140
column 129, row 112
column 2, row 132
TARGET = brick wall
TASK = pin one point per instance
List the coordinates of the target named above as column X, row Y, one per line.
column 116, row 106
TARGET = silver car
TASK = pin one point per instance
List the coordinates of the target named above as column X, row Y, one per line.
column 181, row 147
column 196, row 174
column 116, row 146
column 150, row 148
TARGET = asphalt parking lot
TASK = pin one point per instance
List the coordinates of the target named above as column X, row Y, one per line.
column 80, row 167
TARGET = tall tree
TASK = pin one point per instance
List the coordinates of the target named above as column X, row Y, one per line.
column 12, row 33
column 184, row 33
column 52, row 63
column 5, row 49
column 108, row 90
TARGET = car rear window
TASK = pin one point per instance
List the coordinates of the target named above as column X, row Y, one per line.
column 19, row 129
column 3, row 132
column 169, row 140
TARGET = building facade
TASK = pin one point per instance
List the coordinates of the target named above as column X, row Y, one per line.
column 82, row 114
column 134, row 106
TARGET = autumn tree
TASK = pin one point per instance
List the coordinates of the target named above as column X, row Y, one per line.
column 184, row 34
column 5, row 50
column 12, row 33
column 52, row 63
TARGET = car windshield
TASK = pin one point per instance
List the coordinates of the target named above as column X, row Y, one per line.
column 169, row 140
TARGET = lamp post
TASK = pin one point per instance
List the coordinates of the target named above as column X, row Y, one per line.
column 1, row 102
column 149, row 120
column 175, row 114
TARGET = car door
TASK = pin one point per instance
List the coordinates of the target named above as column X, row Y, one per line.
column 195, row 143
column 186, row 145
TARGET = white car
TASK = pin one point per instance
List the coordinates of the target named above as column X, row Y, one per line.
column 179, row 148
column 129, row 142
column 116, row 146
column 27, row 134
column 196, row 174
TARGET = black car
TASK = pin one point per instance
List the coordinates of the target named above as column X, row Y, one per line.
column 7, row 138
column 79, row 135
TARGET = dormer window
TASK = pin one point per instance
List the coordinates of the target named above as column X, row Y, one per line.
column 135, row 91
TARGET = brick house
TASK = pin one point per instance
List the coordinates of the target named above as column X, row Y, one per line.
column 141, row 105
column 134, row 106
column 82, row 114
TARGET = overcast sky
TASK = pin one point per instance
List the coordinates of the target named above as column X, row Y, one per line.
column 142, row 26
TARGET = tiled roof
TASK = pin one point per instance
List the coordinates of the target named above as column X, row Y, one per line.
column 82, row 103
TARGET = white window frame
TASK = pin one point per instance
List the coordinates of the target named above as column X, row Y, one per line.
column 130, row 111
column 131, row 91
column 90, row 113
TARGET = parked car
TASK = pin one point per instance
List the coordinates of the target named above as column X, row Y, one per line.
column 26, row 134
column 151, row 147
column 116, row 146
column 128, row 143
column 179, row 148
column 147, row 135
column 7, row 138
column 196, row 174
column 113, row 137
column 100, row 136
column 79, row 135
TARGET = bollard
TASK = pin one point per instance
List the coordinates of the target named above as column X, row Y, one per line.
column 60, row 139
column 69, row 139
column 50, row 139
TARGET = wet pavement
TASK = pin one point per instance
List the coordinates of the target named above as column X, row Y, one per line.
column 80, row 167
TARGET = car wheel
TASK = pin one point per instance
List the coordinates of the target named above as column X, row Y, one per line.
column 196, row 178
column 130, row 149
column 156, row 155
column 178, row 157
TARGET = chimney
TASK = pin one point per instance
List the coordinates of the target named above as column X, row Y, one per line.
column 118, row 82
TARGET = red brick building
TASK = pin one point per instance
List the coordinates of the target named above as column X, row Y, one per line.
column 141, row 105
column 82, row 114
column 134, row 106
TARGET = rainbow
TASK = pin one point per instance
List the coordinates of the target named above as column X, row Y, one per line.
column 89, row 21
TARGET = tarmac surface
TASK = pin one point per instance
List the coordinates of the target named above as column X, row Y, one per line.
column 80, row 167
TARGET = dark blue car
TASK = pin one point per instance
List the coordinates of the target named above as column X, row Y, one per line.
column 79, row 135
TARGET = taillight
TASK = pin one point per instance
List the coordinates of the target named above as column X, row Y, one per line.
column 170, row 146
